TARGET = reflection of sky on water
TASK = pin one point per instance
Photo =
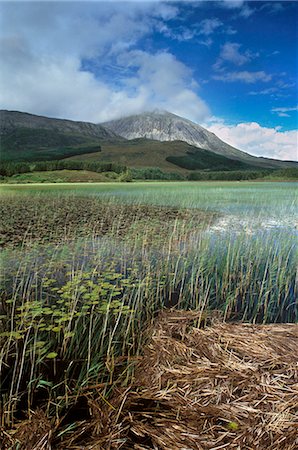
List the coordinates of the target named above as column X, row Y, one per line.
column 251, row 225
column 247, row 208
column 263, row 210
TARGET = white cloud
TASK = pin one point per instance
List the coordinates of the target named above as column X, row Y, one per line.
column 59, row 88
column 232, row 3
column 172, row 92
column 244, row 10
column 243, row 76
column 230, row 30
column 184, row 33
column 206, row 42
column 279, row 90
column 268, row 91
column 257, row 140
column 46, row 49
column 230, row 53
column 180, row 34
column 208, row 26
column 283, row 111
column 61, row 28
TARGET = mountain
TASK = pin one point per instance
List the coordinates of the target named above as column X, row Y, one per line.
column 155, row 139
column 165, row 126
column 27, row 137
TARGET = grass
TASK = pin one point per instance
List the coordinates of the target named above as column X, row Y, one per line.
column 96, row 263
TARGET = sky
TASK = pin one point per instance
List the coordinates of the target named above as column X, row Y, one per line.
column 228, row 65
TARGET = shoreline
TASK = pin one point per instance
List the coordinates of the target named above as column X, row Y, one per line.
column 147, row 182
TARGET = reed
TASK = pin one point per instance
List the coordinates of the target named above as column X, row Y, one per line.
column 73, row 313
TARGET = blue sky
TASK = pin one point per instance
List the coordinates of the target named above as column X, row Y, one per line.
column 228, row 65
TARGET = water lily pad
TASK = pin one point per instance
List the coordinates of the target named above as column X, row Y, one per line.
column 52, row 355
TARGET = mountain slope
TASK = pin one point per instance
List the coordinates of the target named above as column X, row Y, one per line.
column 27, row 137
column 170, row 156
column 165, row 126
column 10, row 120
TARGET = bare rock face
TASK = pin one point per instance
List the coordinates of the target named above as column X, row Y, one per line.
column 165, row 126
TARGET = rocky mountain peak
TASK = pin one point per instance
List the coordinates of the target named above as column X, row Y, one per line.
column 165, row 126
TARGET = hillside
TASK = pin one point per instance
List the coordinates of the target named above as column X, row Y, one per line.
column 27, row 137
column 11, row 120
column 170, row 156
column 165, row 126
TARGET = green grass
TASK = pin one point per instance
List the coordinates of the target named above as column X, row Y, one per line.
column 74, row 311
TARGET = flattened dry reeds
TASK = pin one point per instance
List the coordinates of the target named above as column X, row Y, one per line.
column 232, row 386
column 226, row 386
column 33, row 434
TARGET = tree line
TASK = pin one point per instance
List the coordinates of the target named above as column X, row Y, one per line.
column 7, row 169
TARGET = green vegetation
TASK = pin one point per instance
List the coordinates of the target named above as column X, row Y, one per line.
column 273, row 174
column 229, row 175
column 140, row 154
column 26, row 144
column 8, row 169
column 62, row 176
column 86, row 268
column 154, row 173
column 201, row 159
column 284, row 174
column 87, row 171
column 26, row 221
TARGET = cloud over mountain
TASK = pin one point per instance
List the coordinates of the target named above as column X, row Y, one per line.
column 46, row 62
column 99, row 60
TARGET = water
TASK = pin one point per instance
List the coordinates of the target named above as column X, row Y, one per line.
column 248, row 252
column 243, row 206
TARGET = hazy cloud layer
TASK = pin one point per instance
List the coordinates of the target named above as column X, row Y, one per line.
column 284, row 111
column 244, row 76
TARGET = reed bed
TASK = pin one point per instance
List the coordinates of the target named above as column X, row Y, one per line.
column 225, row 386
column 232, row 386
column 78, row 305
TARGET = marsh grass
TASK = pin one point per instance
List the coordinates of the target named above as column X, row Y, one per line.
column 27, row 219
column 74, row 311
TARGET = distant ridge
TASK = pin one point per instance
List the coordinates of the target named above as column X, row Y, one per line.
column 10, row 120
column 28, row 137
